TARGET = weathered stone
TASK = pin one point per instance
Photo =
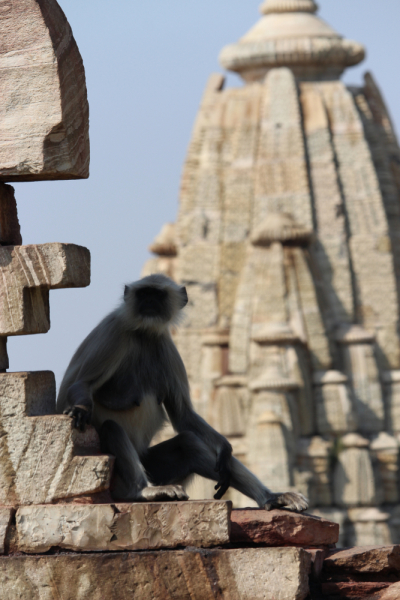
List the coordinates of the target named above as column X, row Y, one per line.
column 39, row 462
column 6, row 515
column 28, row 273
column 138, row 526
column 44, row 113
column 244, row 574
column 10, row 232
column 390, row 593
column 282, row 528
column 382, row 560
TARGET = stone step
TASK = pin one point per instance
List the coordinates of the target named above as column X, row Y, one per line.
column 116, row 527
column 191, row 574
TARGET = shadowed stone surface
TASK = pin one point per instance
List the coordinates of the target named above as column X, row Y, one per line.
column 38, row 456
column 282, row 528
column 5, row 519
column 10, row 232
column 44, row 113
column 138, row 526
column 245, row 574
column 353, row 589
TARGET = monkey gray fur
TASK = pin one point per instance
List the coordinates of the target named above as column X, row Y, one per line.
column 128, row 378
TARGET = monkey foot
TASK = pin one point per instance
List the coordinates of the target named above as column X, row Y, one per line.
column 290, row 500
column 160, row 493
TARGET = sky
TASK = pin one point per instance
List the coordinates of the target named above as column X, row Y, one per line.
column 146, row 67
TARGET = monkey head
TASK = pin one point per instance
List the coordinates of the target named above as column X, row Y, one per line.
column 153, row 302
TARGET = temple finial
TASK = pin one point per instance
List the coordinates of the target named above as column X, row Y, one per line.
column 280, row 6
column 290, row 34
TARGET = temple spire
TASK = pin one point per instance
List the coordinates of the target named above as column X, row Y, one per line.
column 289, row 34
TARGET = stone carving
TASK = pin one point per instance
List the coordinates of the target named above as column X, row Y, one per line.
column 368, row 527
column 391, row 382
column 385, row 450
column 44, row 113
column 287, row 232
column 333, row 401
column 314, row 456
column 353, row 481
column 309, row 46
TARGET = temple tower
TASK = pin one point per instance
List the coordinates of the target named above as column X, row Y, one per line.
column 288, row 241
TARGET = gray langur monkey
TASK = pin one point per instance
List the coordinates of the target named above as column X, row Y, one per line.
column 127, row 378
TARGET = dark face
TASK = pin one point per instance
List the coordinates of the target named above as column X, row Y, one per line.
column 152, row 302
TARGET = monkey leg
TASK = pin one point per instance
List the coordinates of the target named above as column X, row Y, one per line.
column 173, row 461
column 130, row 478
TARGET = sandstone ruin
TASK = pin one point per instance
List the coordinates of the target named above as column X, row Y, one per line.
column 287, row 239
column 61, row 535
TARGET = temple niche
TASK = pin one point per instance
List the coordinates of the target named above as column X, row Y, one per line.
column 288, row 242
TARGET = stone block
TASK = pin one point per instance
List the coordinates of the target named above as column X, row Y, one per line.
column 361, row 560
column 10, row 232
column 281, row 528
column 139, row 526
column 39, row 462
column 192, row 574
column 44, row 112
column 28, row 273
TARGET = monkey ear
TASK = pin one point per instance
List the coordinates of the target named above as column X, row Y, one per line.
column 126, row 292
column 184, row 296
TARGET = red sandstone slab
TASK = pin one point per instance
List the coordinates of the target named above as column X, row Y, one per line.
column 281, row 528
column 353, row 589
column 366, row 559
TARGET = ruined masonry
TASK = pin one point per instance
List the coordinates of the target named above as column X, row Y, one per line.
column 288, row 241
column 61, row 534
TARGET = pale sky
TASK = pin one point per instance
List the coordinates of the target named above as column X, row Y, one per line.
column 146, row 67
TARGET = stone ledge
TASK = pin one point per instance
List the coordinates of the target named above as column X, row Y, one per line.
column 112, row 527
column 241, row 574
column 282, row 528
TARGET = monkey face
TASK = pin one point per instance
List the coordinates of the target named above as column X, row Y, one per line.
column 152, row 302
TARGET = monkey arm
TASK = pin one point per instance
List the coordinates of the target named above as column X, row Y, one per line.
column 94, row 362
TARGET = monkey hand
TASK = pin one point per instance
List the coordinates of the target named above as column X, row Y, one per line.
column 223, row 468
column 290, row 500
column 80, row 414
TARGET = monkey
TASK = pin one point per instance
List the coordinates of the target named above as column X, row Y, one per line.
column 127, row 378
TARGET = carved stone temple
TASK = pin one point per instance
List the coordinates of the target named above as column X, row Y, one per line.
column 288, row 241
column 286, row 355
